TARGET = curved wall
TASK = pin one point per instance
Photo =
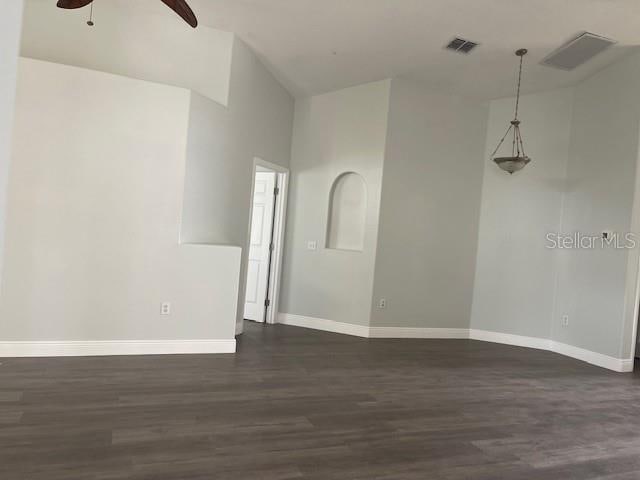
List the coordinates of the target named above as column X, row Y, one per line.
column 515, row 276
column 597, row 287
column 514, row 288
column 582, row 180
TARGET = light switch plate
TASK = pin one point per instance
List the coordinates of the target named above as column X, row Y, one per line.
column 312, row 245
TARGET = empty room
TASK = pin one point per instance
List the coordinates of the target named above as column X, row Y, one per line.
column 319, row 239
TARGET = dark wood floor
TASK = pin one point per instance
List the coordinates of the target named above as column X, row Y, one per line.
column 299, row 404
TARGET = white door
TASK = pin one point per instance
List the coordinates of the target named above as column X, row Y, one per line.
column 259, row 249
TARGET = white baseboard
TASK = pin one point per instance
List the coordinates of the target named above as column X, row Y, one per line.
column 594, row 358
column 508, row 339
column 369, row 332
column 408, row 332
column 324, row 325
column 112, row 348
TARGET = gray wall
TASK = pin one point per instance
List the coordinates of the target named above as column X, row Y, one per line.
column 430, row 207
column 222, row 144
column 207, row 204
column 583, row 179
column 240, row 111
column 10, row 24
column 93, row 217
column 221, row 148
column 334, row 133
column 516, row 274
column 68, row 251
column 261, row 126
column 601, row 181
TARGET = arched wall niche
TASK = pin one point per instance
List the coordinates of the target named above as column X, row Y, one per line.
column 347, row 213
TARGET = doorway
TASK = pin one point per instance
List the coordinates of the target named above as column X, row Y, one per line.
column 266, row 235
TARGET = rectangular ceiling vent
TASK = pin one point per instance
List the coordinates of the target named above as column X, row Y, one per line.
column 578, row 51
column 461, row 45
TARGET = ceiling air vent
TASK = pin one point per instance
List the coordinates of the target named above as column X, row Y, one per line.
column 461, row 45
column 578, row 51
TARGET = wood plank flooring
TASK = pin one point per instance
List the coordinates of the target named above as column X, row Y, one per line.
column 300, row 404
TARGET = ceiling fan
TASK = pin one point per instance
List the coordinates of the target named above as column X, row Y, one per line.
column 179, row 6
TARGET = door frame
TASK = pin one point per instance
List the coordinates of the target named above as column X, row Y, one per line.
column 635, row 309
column 279, row 218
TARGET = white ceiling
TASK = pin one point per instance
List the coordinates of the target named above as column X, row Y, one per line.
column 316, row 46
column 375, row 39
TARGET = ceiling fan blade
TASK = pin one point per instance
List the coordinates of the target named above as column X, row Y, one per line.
column 182, row 9
column 71, row 4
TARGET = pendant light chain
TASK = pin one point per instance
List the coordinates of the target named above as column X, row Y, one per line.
column 518, row 144
column 518, row 92
column 502, row 141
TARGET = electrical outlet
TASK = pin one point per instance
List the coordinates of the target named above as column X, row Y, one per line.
column 382, row 304
column 312, row 245
column 165, row 308
column 565, row 320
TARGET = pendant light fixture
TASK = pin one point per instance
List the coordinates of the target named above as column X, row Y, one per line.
column 518, row 159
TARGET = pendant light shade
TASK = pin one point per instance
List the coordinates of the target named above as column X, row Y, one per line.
column 517, row 160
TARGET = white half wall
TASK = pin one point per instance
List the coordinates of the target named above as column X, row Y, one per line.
column 10, row 27
column 339, row 132
column 430, row 206
column 95, row 197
